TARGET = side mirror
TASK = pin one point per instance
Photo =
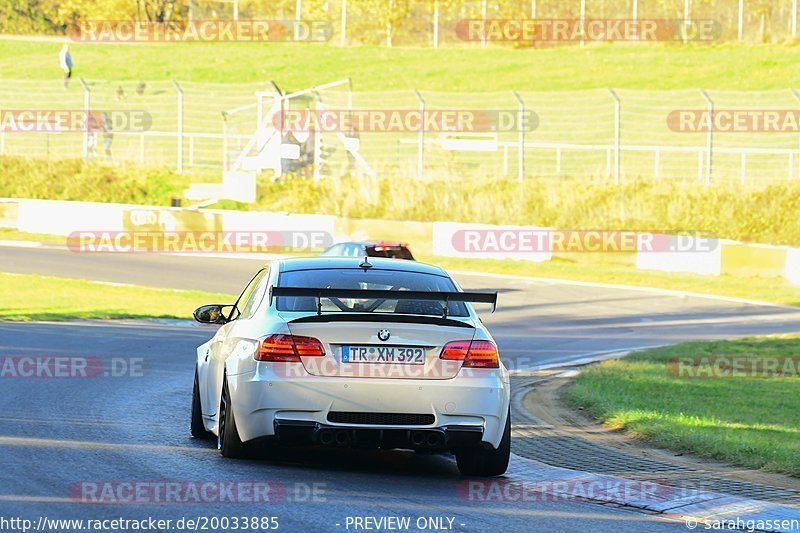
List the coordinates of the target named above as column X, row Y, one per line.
column 213, row 314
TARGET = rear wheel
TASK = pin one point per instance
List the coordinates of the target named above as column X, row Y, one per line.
column 487, row 463
column 228, row 441
column 197, row 427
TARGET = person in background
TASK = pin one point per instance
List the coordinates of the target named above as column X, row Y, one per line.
column 65, row 59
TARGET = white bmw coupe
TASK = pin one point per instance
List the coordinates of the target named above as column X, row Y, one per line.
column 373, row 353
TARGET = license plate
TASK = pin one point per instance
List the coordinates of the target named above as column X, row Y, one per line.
column 403, row 355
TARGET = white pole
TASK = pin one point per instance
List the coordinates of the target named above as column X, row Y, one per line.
column 710, row 136
column 86, row 103
column 616, row 136
column 436, row 23
column 794, row 19
column 740, row 21
column 483, row 18
column 236, row 10
column 421, row 141
column 343, row 34
column 389, row 25
column 635, row 18
column 180, row 125
column 797, row 97
column 583, row 18
column 685, row 19
column 533, row 9
column 521, row 138
column 298, row 10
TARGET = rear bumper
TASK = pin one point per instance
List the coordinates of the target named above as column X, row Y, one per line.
column 268, row 405
column 445, row 438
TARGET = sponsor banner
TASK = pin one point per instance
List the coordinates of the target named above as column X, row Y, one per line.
column 167, row 220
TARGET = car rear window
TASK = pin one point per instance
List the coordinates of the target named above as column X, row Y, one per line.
column 377, row 279
column 391, row 252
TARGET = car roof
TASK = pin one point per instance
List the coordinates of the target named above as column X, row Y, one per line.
column 328, row 262
column 373, row 243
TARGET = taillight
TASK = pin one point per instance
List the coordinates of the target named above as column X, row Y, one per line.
column 288, row 348
column 475, row 354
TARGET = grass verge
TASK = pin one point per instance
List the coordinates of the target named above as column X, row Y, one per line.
column 747, row 421
column 727, row 66
column 619, row 269
column 27, row 297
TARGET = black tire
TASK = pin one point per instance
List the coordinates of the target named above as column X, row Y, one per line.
column 228, row 441
column 197, row 427
column 487, row 463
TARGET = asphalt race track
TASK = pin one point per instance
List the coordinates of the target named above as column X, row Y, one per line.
column 60, row 436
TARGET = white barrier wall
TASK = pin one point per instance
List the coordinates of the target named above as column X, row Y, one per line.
column 63, row 218
column 486, row 241
column 792, row 272
column 676, row 254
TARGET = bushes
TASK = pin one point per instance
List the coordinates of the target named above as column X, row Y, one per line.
column 768, row 214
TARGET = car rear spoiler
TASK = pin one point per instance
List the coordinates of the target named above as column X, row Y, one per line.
column 374, row 294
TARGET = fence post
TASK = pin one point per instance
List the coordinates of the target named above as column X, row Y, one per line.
column 343, row 30
column 616, row 135
column 421, row 145
column 635, row 19
column 236, row 10
column 521, row 138
column 389, row 25
column 483, row 19
column 298, row 10
column 224, row 141
column 710, row 138
column 794, row 19
column 797, row 97
column 317, row 152
column 86, row 103
column 740, row 20
column 533, row 9
column 436, row 23
column 583, row 18
column 180, row 125
column 685, row 19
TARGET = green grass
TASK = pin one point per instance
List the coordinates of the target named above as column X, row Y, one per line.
column 752, row 422
column 28, row 297
column 650, row 66
column 619, row 269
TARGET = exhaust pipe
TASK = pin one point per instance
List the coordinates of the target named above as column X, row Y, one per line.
column 418, row 438
column 434, row 439
column 326, row 437
column 342, row 437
